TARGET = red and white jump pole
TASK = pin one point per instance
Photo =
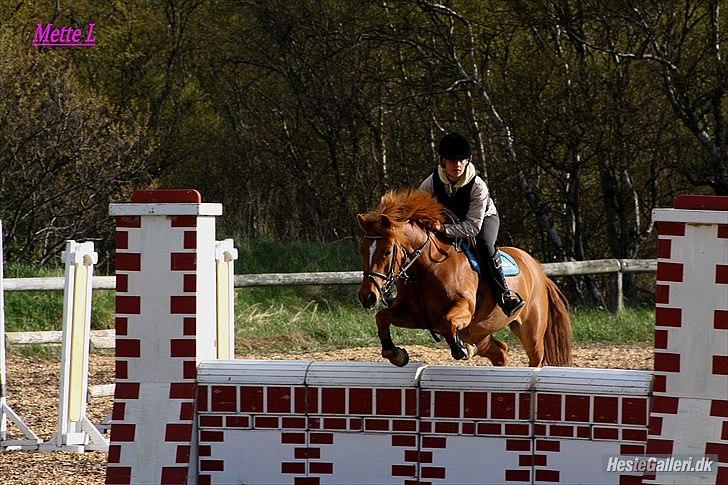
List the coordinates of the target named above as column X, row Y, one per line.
column 690, row 389
column 166, row 314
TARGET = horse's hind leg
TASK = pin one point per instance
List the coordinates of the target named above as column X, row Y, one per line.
column 456, row 319
column 495, row 350
column 532, row 344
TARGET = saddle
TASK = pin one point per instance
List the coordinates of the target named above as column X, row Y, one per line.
column 510, row 267
column 467, row 246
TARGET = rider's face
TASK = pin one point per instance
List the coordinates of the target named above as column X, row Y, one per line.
column 454, row 169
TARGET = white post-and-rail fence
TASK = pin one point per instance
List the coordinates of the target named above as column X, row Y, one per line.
column 104, row 339
column 567, row 268
column 74, row 431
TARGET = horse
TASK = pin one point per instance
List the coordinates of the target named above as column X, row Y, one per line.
column 437, row 289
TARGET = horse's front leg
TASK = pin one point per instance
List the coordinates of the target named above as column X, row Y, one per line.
column 456, row 319
column 385, row 318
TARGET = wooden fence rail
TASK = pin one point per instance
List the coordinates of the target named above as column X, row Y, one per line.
column 568, row 268
column 104, row 338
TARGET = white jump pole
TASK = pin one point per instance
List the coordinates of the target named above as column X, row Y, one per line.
column 75, row 432
column 225, row 256
column 6, row 412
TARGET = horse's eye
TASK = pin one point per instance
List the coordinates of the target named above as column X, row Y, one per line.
column 387, row 252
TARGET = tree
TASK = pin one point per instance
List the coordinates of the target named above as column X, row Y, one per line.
column 682, row 42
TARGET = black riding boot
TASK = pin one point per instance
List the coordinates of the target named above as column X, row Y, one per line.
column 509, row 301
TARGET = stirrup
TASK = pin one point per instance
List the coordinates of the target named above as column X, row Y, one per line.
column 519, row 302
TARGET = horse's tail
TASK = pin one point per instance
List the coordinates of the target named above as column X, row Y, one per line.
column 557, row 341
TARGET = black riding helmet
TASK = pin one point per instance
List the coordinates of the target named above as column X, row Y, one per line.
column 454, row 146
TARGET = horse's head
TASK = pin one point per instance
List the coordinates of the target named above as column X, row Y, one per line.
column 394, row 237
column 380, row 255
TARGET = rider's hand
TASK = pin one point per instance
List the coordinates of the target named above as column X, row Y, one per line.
column 438, row 227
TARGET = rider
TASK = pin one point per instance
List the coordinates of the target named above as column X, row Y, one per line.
column 459, row 188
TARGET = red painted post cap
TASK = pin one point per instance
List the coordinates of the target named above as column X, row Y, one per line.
column 702, row 202
column 168, row 196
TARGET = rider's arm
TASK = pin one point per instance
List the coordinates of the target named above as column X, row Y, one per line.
column 426, row 186
column 470, row 227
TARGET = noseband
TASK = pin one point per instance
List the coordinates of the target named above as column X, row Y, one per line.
column 391, row 279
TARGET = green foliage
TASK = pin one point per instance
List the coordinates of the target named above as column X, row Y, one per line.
column 301, row 319
column 270, row 256
column 297, row 116
column 102, row 310
column 37, row 351
column 30, row 311
column 19, row 270
column 324, row 318
column 33, row 311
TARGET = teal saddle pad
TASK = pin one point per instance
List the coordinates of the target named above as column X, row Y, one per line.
column 510, row 268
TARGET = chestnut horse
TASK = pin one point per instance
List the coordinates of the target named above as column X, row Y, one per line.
column 436, row 288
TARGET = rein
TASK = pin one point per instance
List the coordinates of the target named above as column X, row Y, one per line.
column 391, row 279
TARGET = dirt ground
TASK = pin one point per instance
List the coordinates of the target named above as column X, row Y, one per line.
column 32, row 391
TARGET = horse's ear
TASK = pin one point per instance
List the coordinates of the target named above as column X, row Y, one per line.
column 365, row 224
column 386, row 221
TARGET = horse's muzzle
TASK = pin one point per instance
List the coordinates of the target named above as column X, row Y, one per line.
column 368, row 299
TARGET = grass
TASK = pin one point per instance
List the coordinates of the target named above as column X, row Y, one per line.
column 281, row 319
column 307, row 319
column 28, row 311
column 325, row 318
column 633, row 325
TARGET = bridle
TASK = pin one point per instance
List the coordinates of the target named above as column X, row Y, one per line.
column 391, row 279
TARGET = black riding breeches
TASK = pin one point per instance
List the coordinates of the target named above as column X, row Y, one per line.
column 485, row 240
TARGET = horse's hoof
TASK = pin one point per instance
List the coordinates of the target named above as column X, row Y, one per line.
column 466, row 352
column 459, row 354
column 400, row 357
column 471, row 351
